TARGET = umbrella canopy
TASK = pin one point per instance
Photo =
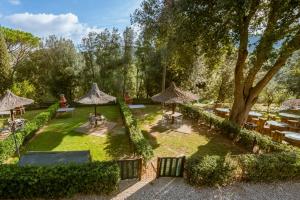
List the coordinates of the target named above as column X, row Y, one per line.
column 10, row 101
column 96, row 97
column 174, row 95
column 291, row 104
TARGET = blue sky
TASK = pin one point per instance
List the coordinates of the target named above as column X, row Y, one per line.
column 67, row 18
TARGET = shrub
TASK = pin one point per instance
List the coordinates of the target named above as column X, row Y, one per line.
column 270, row 167
column 141, row 145
column 7, row 146
column 58, row 181
column 232, row 130
column 211, row 170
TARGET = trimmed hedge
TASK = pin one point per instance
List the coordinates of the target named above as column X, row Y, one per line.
column 282, row 164
column 224, row 170
column 58, row 181
column 242, row 136
column 7, row 146
column 210, row 170
column 141, row 145
column 270, row 167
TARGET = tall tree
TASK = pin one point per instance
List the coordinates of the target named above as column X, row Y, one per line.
column 127, row 56
column 266, row 33
column 19, row 44
column 5, row 68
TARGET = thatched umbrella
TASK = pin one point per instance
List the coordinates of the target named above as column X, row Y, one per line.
column 174, row 95
column 96, row 97
column 10, row 101
column 291, row 104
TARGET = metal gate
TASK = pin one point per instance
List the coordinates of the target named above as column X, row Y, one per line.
column 170, row 166
column 130, row 168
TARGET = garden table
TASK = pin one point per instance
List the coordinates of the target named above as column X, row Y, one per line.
column 278, row 124
column 63, row 110
column 291, row 135
column 255, row 114
column 289, row 116
column 3, row 113
column 224, row 110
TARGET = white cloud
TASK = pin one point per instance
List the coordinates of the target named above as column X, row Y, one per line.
column 42, row 24
column 15, row 2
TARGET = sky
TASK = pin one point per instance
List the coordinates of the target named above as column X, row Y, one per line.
column 67, row 18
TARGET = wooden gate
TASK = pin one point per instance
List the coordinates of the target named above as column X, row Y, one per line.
column 130, row 168
column 170, row 166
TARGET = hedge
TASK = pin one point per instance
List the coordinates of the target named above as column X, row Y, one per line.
column 7, row 146
column 242, row 136
column 141, row 145
column 58, row 181
column 281, row 164
column 224, row 170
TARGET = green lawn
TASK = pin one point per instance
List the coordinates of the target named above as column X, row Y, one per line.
column 59, row 135
column 201, row 141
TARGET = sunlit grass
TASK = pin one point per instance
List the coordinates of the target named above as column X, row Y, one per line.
column 165, row 142
column 60, row 135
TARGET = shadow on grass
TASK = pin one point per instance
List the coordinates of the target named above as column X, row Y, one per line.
column 118, row 146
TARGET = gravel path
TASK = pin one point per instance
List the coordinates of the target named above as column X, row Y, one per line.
column 176, row 188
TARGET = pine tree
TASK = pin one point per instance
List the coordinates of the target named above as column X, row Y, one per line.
column 5, row 68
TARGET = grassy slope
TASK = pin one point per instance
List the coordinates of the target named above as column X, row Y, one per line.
column 59, row 135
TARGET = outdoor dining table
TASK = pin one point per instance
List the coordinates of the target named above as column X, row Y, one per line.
column 289, row 116
column 224, row 110
column 276, row 123
column 255, row 114
column 63, row 110
column 175, row 114
column 291, row 135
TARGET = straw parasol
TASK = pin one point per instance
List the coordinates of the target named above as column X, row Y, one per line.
column 10, row 101
column 95, row 97
column 174, row 95
column 291, row 104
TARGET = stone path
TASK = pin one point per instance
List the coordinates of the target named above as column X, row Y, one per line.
column 176, row 188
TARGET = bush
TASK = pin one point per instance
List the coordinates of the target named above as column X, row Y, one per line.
column 270, row 167
column 211, row 170
column 141, row 145
column 58, row 181
column 243, row 136
column 7, row 146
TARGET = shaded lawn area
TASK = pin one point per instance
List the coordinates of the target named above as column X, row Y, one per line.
column 59, row 135
column 201, row 141
column 29, row 115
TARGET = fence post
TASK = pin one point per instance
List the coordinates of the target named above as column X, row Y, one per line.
column 183, row 164
column 140, row 168
column 158, row 167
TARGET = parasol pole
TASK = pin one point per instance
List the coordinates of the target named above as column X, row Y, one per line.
column 13, row 131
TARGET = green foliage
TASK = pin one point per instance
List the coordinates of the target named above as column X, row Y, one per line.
column 19, row 44
column 211, row 170
column 141, row 145
column 270, row 167
column 24, row 88
column 7, row 146
column 242, row 136
column 58, row 181
column 5, row 68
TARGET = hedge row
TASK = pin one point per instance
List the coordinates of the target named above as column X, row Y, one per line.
column 223, row 170
column 283, row 163
column 141, row 145
column 58, row 181
column 242, row 136
column 7, row 146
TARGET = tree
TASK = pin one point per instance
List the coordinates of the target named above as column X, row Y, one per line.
column 266, row 33
column 19, row 44
column 5, row 68
column 127, row 56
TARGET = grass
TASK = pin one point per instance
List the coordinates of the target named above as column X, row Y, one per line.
column 201, row 141
column 60, row 135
